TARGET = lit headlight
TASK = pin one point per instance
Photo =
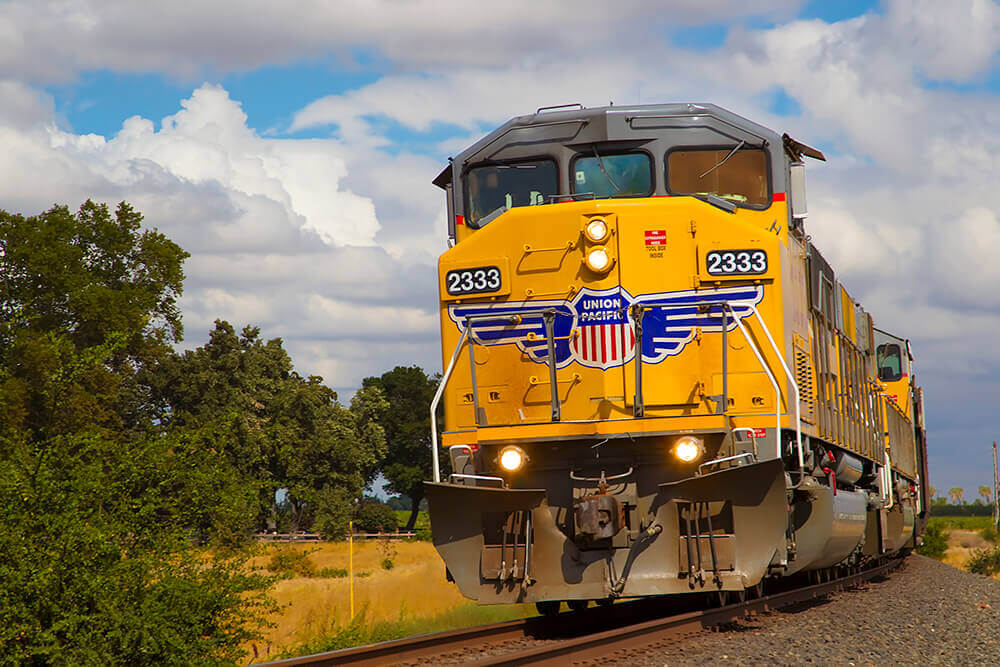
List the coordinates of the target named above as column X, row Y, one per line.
column 599, row 260
column 688, row 449
column 596, row 230
column 512, row 458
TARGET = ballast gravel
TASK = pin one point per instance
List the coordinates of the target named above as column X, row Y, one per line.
column 925, row 612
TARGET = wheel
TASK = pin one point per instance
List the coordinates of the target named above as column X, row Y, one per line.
column 548, row 607
column 738, row 597
column 577, row 605
column 757, row 591
column 718, row 598
column 605, row 602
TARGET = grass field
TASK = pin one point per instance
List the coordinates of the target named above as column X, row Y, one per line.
column 411, row 598
column 962, row 522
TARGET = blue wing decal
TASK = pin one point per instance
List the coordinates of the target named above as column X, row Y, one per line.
column 521, row 323
column 667, row 330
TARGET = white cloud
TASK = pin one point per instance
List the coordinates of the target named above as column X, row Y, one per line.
column 53, row 40
column 276, row 240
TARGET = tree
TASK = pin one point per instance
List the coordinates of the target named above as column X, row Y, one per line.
column 279, row 429
column 986, row 493
column 956, row 493
column 407, row 431
column 84, row 284
column 95, row 556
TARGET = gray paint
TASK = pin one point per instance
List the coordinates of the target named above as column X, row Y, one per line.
column 656, row 128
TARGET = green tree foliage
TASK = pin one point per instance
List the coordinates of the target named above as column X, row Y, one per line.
column 407, row 431
column 242, row 398
column 986, row 493
column 956, row 493
column 77, row 289
column 376, row 518
column 96, row 561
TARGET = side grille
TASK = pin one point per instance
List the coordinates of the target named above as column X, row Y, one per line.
column 804, row 380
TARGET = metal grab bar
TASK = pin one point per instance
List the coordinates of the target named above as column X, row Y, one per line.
column 602, row 477
column 549, row 315
column 487, row 478
column 770, row 376
column 437, row 399
column 744, row 455
column 639, row 308
column 795, row 388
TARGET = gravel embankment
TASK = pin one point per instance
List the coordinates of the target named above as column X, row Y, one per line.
column 926, row 612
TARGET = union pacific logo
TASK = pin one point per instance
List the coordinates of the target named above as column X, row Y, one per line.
column 596, row 328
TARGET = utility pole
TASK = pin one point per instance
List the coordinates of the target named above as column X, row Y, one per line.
column 996, row 488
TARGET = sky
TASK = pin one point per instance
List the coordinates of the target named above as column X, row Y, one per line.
column 289, row 147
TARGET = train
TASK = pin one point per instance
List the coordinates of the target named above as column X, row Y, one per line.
column 654, row 383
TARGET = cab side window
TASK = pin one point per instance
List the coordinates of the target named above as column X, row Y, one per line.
column 890, row 362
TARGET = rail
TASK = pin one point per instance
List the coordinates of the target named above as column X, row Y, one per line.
column 578, row 636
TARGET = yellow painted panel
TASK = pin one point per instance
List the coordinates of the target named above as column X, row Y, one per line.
column 747, row 392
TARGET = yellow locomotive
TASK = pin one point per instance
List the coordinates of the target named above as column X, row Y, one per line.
column 654, row 383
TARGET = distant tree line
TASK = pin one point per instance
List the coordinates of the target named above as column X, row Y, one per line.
column 122, row 459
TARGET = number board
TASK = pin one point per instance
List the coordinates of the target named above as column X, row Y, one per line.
column 476, row 280
column 749, row 262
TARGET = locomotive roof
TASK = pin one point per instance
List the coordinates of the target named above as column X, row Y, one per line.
column 639, row 123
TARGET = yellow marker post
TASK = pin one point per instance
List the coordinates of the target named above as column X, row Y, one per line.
column 350, row 562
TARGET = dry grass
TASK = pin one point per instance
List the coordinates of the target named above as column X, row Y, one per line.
column 414, row 588
column 961, row 544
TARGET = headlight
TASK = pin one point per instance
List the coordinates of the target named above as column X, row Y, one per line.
column 596, row 230
column 688, row 449
column 512, row 458
column 599, row 260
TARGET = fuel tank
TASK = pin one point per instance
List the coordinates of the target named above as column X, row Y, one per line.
column 828, row 526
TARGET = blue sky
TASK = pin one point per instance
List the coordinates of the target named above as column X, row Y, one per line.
column 298, row 147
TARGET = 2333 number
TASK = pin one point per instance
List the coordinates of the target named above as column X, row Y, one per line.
column 473, row 281
column 736, row 262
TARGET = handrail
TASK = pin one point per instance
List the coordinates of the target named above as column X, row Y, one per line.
column 770, row 376
column 434, row 403
column 467, row 334
column 488, row 478
column 742, row 455
column 887, row 491
column 795, row 387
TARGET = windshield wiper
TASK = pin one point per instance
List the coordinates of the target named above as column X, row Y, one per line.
column 724, row 160
column 600, row 163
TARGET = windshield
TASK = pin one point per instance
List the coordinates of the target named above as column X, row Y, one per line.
column 495, row 186
column 740, row 175
column 629, row 174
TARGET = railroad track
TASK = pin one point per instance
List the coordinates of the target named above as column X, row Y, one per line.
column 549, row 643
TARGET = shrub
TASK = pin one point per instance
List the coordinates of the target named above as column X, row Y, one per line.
column 985, row 561
column 376, row 518
column 332, row 573
column 292, row 563
column 935, row 541
column 989, row 534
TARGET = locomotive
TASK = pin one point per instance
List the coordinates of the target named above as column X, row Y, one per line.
column 654, row 383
